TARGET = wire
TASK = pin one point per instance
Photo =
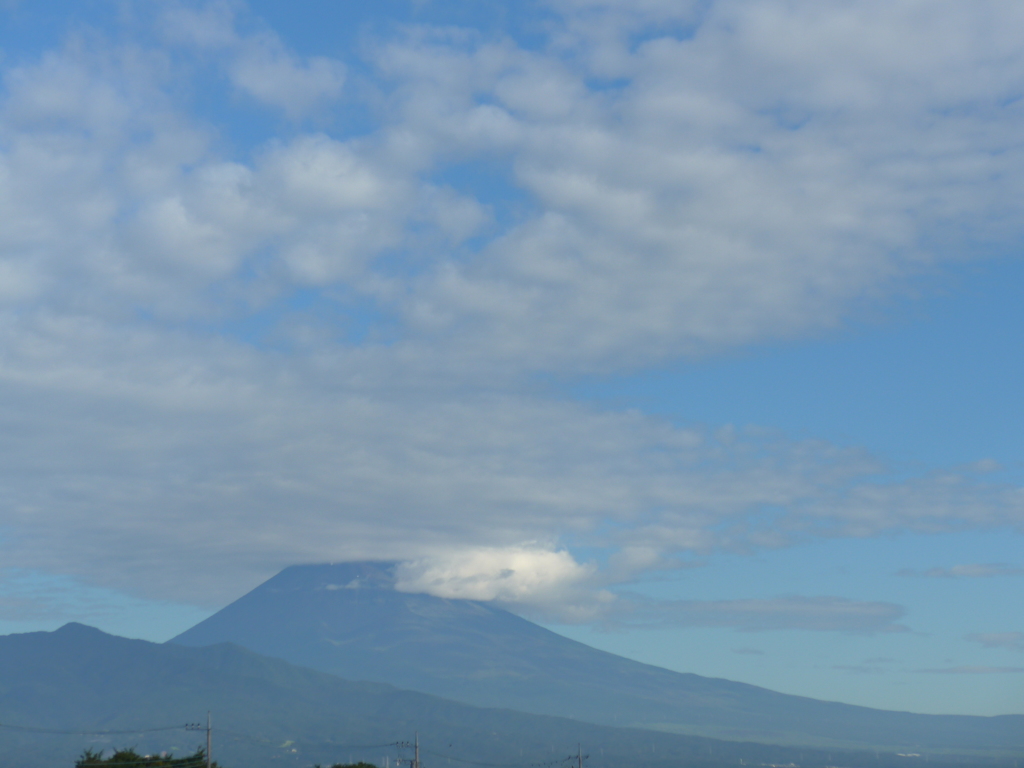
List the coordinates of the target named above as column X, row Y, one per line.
column 498, row 765
column 237, row 734
column 362, row 746
column 247, row 737
column 29, row 729
column 257, row 740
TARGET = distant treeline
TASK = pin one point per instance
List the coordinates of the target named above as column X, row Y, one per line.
column 129, row 758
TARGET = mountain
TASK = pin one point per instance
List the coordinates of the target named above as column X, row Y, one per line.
column 267, row 713
column 348, row 619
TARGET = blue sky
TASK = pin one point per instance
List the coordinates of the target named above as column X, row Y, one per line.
column 689, row 329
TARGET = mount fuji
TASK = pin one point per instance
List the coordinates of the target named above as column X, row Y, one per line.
column 349, row 620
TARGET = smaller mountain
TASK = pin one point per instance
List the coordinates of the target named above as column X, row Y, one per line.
column 347, row 619
column 266, row 713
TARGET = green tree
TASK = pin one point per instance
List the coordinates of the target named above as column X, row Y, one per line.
column 129, row 758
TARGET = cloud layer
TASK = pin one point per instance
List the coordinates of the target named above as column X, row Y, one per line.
column 967, row 571
column 1013, row 641
column 821, row 613
column 217, row 359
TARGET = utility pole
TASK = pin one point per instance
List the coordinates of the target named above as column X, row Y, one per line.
column 579, row 755
column 415, row 762
column 209, row 739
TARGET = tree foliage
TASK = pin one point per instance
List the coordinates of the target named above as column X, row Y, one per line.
column 129, row 758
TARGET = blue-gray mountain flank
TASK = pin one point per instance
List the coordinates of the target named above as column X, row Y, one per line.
column 348, row 620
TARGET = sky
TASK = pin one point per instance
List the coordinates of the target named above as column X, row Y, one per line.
column 691, row 330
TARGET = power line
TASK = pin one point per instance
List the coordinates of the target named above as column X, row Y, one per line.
column 30, row 729
column 261, row 740
column 256, row 740
column 548, row 764
column 363, row 746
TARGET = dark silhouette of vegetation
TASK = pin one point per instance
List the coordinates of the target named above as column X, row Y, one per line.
column 360, row 764
column 129, row 758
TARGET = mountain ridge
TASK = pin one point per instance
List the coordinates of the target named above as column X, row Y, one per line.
column 267, row 712
column 347, row 619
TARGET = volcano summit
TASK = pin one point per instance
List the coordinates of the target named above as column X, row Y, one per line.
column 348, row 619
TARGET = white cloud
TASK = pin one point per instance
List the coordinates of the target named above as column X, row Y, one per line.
column 748, row 651
column 669, row 215
column 203, row 463
column 27, row 597
column 1013, row 641
column 967, row 571
column 550, row 584
column 530, row 577
column 211, row 25
column 113, row 200
column 974, row 670
column 260, row 65
column 821, row 613
column 752, row 181
column 265, row 71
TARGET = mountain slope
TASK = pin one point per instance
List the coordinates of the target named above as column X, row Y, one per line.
column 348, row 620
column 267, row 712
